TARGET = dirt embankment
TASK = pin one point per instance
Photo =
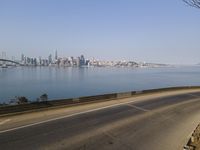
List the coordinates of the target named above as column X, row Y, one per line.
column 194, row 141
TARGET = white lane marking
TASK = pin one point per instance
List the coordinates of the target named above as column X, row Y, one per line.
column 67, row 116
column 139, row 108
column 5, row 121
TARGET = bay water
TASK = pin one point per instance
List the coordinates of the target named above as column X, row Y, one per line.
column 68, row 82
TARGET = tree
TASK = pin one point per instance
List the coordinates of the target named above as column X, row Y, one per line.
column 3, row 104
column 44, row 97
column 22, row 100
column 193, row 3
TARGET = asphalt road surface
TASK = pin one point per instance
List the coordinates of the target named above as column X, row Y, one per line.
column 151, row 122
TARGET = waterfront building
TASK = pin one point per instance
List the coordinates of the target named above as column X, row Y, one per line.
column 22, row 58
column 87, row 62
column 78, row 62
column 82, row 60
column 50, row 61
column 56, row 55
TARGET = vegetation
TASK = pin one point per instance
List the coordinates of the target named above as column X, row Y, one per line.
column 2, row 104
column 193, row 3
column 42, row 98
column 22, row 100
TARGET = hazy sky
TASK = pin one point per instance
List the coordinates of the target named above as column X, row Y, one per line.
column 164, row 31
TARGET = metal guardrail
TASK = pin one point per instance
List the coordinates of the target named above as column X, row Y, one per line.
column 34, row 106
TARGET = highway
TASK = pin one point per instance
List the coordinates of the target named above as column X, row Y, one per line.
column 159, row 121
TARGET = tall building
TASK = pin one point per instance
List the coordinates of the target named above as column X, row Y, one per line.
column 35, row 62
column 3, row 55
column 78, row 61
column 50, row 59
column 40, row 60
column 22, row 57
column 82, row 61
column 56, row 55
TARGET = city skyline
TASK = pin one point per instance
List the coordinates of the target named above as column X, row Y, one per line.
column 71, row 61
column 55, row 56
column 160, row 32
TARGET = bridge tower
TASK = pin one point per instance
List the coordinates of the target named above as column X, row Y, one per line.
column 4, row 65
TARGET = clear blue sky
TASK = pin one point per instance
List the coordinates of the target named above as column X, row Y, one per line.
column 164, row 31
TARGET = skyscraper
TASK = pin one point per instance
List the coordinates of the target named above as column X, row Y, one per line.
column 56, row 55
column 78, row 62
column 50, row 59
column 82, row 60
column 22, row 57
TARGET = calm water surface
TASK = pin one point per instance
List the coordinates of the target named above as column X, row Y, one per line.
column 74, row 82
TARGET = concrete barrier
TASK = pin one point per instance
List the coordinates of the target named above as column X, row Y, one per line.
column 98, row 97
column 124, row 95
column 10, row 109
column 76, row 100
column 34, row 106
